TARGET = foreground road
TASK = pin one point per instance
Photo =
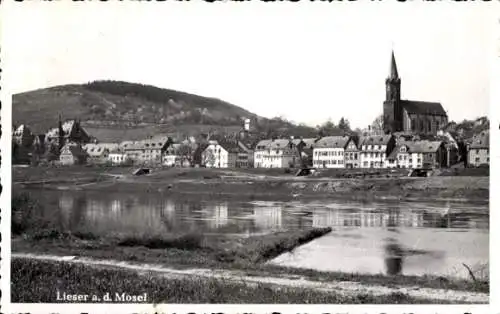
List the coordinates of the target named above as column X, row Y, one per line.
column 347, row 288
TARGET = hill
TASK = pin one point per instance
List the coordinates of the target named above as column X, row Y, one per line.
column 114, row 110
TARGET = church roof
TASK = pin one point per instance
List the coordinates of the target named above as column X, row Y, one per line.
column 394, row 69
column 423, row 107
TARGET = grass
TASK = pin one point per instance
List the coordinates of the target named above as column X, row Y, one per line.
column 39, row 281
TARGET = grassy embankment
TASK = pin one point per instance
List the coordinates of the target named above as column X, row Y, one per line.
column 35, row 281
column 35, row 234
column 255, row 183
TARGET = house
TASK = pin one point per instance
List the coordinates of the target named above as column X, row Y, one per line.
column 306, row 147
column 69, row 131
column 118, row 157
column 148, row 151
column 351, row 154
column 329, row 151
column 375, row 149
column 478, row 152
column 225, row 153
column 261, row 150
column 247, row 146
column 23, row 136
column 215, row 156
column 418, row 155
column 276, row 153
column 72, row 154
column 403, row 157
column 179, row 155
column 98, row 153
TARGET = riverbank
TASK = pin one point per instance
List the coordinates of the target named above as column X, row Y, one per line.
column 249, row 184
column 46, row 278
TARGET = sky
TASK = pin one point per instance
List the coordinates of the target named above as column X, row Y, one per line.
column 307, row 62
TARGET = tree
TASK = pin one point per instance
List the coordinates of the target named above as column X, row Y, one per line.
column 344, row 125
column 328, row 129
column 208, row 157
column 186, row 153
column 378, row 124
column 52, row 152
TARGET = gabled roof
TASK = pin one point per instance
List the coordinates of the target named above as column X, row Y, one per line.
column 151, row 143
column 332, row 142
column 279, row 144
column 375, row 140
column 481, row 141
column 423, row 107
column 231, row 146
column 96, row 150
column 263, row 144
column 309, row 142
column 423, row 146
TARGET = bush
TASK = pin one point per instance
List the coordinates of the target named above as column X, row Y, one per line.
column 23, row 209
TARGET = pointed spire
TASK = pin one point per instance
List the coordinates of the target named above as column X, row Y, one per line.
column 394, row 69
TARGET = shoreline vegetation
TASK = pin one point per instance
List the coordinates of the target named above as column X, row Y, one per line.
column 35, row 281
column 249, row 184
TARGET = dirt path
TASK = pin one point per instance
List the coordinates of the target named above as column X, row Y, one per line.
column 347, row 288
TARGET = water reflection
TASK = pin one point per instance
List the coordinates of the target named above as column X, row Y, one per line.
column 390, row 238
column 131, row 213
column 393, row 257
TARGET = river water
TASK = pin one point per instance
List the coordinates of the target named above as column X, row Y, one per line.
column 411, row 238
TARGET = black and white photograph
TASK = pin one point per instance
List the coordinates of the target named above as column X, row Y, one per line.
column 188, row 152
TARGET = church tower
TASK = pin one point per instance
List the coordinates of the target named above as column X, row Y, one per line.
column 393, row 115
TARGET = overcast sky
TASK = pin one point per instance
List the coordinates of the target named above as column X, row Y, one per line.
column 307, row 62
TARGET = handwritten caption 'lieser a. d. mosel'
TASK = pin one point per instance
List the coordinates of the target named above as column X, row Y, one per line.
column 119, row 297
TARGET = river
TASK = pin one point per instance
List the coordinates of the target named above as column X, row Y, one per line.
column 411, row 238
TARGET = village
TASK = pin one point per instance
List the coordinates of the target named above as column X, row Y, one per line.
column 70, row 144
column 411, row 135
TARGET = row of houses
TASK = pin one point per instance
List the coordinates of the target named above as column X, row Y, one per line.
column 376, row 151
column 373, row 151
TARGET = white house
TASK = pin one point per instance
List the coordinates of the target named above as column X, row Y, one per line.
column 276, row 153
column 375, row 149
column 261, row 150
column 117, row 157
column 215, row 156
column 404, row 157
column 328, row 152
column 98, row 153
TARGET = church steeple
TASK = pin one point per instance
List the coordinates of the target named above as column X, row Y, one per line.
column 393, row 82
column 394, row 69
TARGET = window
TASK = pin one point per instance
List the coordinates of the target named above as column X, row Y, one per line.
column 355, row 155
column 477, row 159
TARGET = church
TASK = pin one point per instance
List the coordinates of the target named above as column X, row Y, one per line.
column 409, row 116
